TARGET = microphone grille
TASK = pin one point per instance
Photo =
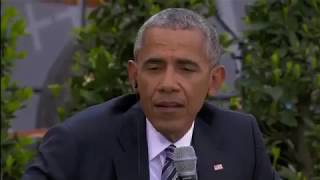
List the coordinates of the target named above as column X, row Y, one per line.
column 185, row 160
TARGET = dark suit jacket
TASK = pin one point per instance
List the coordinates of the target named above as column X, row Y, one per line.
column 108, row 142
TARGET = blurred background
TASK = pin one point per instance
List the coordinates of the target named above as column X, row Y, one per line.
column 61, row 56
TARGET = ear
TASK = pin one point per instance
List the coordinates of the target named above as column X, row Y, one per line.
column 132, row 73
column 217, row 76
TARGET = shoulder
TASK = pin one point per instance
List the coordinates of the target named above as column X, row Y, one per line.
column 227, row 123
column 214, row 113
column 100, row 120
column 235, row 130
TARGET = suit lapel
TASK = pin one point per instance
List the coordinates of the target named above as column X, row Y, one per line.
column 132, row 162
column 207, row 142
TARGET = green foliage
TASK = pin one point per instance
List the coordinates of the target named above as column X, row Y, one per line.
column 107, row 44
column 279, row 83
column 14, row 154
column 55, row 89
column 15, row 157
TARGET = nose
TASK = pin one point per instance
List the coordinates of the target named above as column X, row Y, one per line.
column 169, row 83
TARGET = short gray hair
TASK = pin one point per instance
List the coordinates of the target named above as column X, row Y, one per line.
column 180, row 18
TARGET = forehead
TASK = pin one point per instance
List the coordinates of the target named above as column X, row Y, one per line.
column 174, row 43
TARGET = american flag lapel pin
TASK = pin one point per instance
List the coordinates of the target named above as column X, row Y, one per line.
column 218, row 167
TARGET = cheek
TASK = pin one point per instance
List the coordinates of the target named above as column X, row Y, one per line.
column 198, row 87
column 146, row 86
column 196, row 93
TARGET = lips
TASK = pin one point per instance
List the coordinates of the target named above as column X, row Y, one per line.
column 169, row 105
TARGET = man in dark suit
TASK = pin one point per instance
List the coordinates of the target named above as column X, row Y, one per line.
column 176, row 67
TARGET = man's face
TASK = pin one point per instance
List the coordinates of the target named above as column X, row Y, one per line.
column 174, row 76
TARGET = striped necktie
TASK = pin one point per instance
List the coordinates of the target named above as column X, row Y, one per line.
column 168, row 170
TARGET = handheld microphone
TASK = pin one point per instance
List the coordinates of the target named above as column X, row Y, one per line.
column 185, row 161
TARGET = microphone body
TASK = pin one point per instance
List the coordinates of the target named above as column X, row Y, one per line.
column 191, row 177
column 185, row 162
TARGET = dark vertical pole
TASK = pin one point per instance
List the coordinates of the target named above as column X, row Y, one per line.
column 82, row 6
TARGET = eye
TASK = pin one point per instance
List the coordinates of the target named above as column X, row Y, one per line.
column 188, row 68
column 153, row 67
column 153, row 64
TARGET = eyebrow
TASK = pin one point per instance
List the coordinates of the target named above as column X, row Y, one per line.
column 153, row 60
column 180, row 61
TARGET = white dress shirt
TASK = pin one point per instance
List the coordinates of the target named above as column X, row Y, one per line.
column 157, row 143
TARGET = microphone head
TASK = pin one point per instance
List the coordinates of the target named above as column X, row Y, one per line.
column 185, row 161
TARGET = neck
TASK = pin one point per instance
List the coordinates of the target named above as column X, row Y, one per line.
column 176, row 135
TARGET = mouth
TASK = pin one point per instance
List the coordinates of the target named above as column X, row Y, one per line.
column 168, row 106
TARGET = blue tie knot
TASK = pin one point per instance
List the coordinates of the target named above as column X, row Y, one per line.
column 169, row 151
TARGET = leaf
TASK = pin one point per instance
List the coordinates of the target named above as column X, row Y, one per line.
column 12, row 106
column 9, row 162
column 258, row 26
column 55, row 89
column 193, row 2
column 10, row 12
column 235, row 103
column 18, row 27
column 275, row 59
column 276, row 154
column 23, row 141
column 297, row 70
column 293, row 39
column 4, row 23
column 89, row 96
column 288, row 119
column 317, row 81
column 314, row 63
column 154, row 9
column 5, row 82
column 277, row 72
column 21, row 55
column 274, row 92
column 10, row 53
column 225, row 39
column 24, row 94
column 61, row 112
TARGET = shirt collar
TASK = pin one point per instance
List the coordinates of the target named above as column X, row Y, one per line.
column 157, row 142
